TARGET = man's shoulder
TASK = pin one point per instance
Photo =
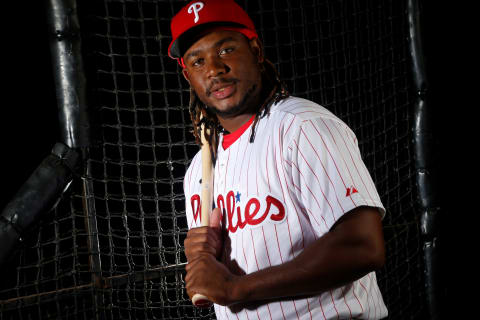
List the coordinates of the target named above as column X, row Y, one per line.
column 301, row 110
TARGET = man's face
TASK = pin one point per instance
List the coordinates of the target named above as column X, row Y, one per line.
column 223, row 67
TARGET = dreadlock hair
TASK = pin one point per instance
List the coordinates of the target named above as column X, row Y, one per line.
column 200, row 114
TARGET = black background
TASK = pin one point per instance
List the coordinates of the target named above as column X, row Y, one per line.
column 29, row 120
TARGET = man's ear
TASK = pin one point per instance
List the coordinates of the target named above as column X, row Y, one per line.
column 257, row 49
column 185, row 74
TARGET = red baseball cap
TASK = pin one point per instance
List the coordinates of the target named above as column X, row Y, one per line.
column 201, row 15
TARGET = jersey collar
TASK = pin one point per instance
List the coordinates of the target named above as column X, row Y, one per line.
column 229, row 139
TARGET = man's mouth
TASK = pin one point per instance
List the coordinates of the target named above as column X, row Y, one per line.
column 222, row 88
column 223, row 92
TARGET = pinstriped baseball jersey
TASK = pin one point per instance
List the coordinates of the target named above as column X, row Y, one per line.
column 282, row 192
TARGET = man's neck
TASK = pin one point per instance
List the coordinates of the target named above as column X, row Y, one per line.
column 232, row 124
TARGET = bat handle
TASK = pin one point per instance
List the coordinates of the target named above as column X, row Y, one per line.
column 200, row 301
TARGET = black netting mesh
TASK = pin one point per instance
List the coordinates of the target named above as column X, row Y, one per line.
column 113, row 248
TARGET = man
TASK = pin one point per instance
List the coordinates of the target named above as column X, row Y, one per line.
column 296, row 232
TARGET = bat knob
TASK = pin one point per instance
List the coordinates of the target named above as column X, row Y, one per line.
column 200, row 301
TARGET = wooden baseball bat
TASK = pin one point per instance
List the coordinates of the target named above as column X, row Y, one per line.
column 199, row 300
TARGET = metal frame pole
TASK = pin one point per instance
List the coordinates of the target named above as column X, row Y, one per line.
column 74, row 122
column 425, row 168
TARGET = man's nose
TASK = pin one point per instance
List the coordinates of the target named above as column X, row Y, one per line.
column 216, row 67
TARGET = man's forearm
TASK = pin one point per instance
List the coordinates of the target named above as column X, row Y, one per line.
column 348, row 252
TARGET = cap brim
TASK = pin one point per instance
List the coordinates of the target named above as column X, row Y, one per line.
column 178, row 47
column 173, row 50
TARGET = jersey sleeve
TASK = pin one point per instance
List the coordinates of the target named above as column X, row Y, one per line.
column 328, row 175
column 192, row 199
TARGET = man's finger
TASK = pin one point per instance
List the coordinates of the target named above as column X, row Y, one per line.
column 216, row 218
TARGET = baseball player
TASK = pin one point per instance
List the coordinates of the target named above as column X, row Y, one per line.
column 296, row 231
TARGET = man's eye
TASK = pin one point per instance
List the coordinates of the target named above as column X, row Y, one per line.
column 197, row 62
column 226, row 50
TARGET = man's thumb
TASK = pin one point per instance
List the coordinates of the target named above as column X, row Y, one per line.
column 215, row 218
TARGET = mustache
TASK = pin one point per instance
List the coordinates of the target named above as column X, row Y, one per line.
column 208, row 91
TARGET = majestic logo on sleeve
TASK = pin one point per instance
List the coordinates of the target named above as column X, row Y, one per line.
column 251, row 213
column 351, row 191
column 195, row 8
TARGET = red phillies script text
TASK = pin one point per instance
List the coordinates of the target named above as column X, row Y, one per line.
column 240, row 217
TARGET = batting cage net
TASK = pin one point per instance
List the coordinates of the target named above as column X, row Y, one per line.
column 113, row 246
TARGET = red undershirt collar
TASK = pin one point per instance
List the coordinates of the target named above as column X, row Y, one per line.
column 229, row 139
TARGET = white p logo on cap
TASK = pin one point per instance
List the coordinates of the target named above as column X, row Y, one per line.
column 195, row 8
